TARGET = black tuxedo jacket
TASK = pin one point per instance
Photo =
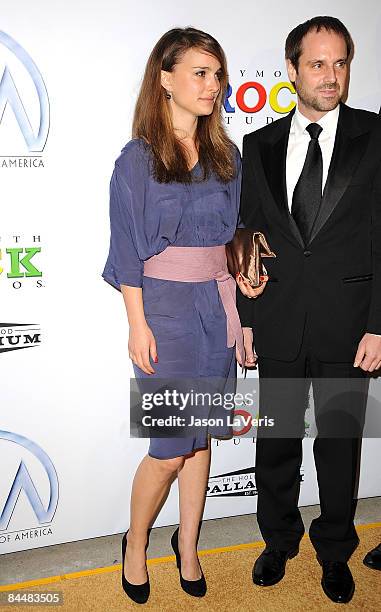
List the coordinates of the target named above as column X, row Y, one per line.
column 335, row 280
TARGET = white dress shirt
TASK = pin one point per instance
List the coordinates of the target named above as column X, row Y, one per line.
column 298, row 142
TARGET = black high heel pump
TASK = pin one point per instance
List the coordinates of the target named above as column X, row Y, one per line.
column 197, row 588
column 139, row 593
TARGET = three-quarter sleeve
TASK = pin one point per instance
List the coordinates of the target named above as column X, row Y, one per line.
column 235, row 189
column 123, row 266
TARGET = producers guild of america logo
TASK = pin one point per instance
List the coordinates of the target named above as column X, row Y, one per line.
column 28, row 489
column 233, row 484
column 17, row 336
column 20, row 261
column 24, row 107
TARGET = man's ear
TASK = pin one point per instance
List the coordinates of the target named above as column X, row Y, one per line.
column 166, row 80
column 291, row 71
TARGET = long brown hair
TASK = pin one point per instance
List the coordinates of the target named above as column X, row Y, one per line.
column 152, row 119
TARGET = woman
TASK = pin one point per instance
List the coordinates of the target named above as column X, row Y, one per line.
column 174, row 205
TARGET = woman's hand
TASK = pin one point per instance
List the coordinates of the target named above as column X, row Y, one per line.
column 251, row 357
column 141, row 341
column 248, row 290
column 142, row 345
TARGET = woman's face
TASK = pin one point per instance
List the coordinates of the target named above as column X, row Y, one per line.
column 194, row 83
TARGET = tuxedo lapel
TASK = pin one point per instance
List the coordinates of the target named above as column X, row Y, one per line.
column 274, row 163
column 273, row 155
column 348, row 150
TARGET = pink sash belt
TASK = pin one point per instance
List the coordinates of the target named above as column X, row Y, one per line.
column 197, row 265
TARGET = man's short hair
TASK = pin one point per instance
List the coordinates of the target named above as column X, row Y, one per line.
column 295, row 38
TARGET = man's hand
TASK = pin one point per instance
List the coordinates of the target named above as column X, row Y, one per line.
column 368, row 356
column 251, row 357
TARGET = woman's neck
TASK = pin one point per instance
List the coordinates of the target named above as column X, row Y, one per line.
column 184, row 124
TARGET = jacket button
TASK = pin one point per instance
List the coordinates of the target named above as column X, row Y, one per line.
column 307, row 253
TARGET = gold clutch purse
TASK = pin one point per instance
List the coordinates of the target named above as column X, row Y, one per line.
column 244, row 255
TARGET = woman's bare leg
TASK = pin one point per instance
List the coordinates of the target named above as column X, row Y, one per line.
column 151, row 482
column 193, row 480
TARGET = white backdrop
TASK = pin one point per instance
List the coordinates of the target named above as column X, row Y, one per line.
column 67, row 392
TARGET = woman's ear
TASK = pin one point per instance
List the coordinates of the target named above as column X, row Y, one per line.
column 166, row 80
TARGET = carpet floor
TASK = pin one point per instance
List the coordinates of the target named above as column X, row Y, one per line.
column 230, row 588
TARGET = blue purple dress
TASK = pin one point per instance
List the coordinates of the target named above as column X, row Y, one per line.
column 187, row 319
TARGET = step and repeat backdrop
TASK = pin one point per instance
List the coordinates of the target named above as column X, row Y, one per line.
column 69, row 76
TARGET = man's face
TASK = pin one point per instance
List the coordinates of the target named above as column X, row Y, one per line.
column 322, row 75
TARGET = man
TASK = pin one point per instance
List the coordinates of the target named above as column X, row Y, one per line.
column 312, row 185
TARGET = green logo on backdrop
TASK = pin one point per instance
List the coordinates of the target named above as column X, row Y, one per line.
column 18, row 262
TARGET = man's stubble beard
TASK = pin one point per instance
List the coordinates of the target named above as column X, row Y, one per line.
column 310, row 101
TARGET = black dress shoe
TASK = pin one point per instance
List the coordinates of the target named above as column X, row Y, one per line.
column 197, row 588
column 270, row 566
column 139, row 593
column 373, row 558
column 337, row 581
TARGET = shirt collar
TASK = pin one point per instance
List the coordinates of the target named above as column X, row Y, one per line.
column 328, row 122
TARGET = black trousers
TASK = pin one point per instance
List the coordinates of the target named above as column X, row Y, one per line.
column 340, row 393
